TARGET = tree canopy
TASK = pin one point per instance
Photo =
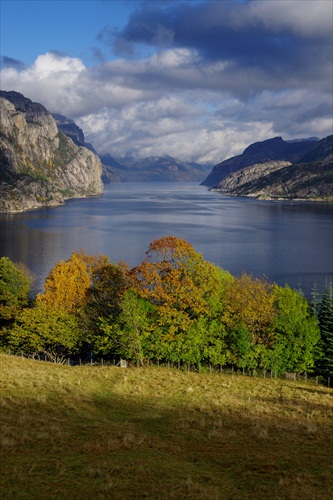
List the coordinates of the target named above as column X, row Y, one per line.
column 14, row 290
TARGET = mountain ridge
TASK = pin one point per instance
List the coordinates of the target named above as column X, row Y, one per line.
column 277, row 169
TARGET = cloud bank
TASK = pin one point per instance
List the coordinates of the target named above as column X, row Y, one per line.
column 195, row 80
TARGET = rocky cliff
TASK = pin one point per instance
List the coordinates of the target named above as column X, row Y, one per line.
column 275, row 149
column 39, row 164
column 303, row 171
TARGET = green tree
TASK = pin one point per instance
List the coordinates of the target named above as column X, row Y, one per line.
column 127, row 334
column 297, row 333
column 183, row 287
column 45, row 330
column 14, row 290
column 325, row 318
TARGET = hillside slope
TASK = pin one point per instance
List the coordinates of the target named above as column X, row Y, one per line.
column 276, row 169
column 153, row 432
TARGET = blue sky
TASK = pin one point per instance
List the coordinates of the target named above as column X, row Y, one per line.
column 30, row 28
column 199, row 80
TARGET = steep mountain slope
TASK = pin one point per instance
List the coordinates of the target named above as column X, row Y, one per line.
column 275, row 149
column 306, row 176
column 40, row 165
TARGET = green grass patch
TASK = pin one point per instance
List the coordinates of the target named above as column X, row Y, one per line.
column 153, row 432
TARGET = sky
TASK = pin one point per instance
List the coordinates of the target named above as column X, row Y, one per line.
column 198, row 80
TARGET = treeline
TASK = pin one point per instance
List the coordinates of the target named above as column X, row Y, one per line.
column 174, row 307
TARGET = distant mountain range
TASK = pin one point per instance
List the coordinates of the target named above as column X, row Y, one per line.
column 278, row 169
column 153, row 168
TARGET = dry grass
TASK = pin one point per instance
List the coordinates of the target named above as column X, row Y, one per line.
column 105, row 432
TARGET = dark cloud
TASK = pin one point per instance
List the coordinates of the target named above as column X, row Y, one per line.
column 242, row 34
column 9, row 62
column 200, row 80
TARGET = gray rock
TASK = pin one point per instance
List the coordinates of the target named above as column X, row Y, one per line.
column 39, row 165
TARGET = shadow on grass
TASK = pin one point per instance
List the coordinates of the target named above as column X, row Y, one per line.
column 110, row 446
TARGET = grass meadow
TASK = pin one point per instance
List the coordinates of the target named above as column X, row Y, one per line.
column 151, row 432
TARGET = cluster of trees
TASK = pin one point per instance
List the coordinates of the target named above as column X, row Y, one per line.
column 175, row 306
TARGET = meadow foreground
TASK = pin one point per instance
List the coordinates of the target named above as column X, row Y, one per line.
column 152, row 432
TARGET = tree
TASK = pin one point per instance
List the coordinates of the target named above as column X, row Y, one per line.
column 66, row 286
column 249, row 307
column 181, row 285
column 175, row 276
column 108, row 285
column 14, row 290
column 128, row 334
column 297, row 333
column 325, row 318
column 45, row 330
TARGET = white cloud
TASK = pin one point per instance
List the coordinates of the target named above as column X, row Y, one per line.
column 174, row 103
column 303, row 17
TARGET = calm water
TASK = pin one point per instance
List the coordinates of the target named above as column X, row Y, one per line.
column 287, row 242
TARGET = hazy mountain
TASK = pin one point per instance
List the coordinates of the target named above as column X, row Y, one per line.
column 153, row 168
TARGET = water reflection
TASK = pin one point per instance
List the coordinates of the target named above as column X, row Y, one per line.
column 289, row 243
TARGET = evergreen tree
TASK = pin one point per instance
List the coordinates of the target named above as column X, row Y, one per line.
column 325, row 318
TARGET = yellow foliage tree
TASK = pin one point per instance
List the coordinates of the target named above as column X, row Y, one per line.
column 66, row 286
column 250, row 302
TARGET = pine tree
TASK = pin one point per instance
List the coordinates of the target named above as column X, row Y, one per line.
column 325, row 318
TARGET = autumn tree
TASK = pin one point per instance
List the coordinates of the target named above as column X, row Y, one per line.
column 66, row 286
column 249, row 304
column 14, row 290
column 176, row 277
column 183, row 288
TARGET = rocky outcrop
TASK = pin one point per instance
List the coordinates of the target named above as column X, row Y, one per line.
column 275, row 149
column 39, row 164
column 307, row 177
column 239, row 180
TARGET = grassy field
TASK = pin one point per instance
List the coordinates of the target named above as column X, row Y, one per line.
column 105, row 432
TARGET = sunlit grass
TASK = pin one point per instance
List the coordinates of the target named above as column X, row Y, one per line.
column 106, row 432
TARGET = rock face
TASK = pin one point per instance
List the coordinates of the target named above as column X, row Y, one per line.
column 293, row 170
column 275, row 149
column 39, row 164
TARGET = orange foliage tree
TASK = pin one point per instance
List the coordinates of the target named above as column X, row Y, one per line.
column 176, row 279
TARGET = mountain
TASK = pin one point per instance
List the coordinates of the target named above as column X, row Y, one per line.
column 39, row 164
column 276, row 169
column 260, row 152
column 152, row 169
column 73, row 131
